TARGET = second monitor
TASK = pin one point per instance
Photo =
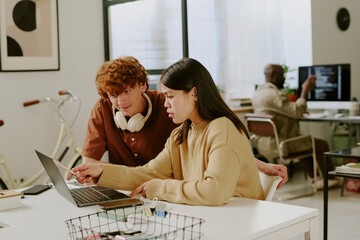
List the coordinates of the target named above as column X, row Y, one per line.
column 332, row 85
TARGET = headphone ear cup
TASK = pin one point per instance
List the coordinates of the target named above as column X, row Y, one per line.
column 120, row 121
column 136, row 122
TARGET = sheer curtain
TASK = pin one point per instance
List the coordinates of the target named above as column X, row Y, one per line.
column 148, row 30
column 235, row 39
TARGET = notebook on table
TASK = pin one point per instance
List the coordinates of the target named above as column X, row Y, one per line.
column 81, row 197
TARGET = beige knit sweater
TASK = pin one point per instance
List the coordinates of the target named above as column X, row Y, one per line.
column 214, row 163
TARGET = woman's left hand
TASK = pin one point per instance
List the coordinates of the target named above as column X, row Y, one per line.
column 142, row 188
column 277, row 170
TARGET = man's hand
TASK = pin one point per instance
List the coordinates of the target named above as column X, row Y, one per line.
column 308, row 85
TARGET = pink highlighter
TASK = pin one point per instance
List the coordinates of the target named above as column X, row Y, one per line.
column 62, row 166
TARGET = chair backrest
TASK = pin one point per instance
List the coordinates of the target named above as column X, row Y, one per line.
column 261, row 125
column 269, row 184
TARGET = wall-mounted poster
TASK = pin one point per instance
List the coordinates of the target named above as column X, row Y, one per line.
column 29, row 35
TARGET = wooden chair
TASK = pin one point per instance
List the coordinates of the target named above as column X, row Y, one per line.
column 264, row 125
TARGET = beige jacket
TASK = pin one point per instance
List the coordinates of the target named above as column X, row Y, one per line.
column 268, row 99
column 213, row 164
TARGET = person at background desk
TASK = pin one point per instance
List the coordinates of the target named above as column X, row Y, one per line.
column 130, row 121
column 206, row 160
column 269, row 99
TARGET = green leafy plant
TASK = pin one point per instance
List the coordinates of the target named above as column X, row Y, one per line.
column 292, row 93
column 291, row 90
column 220, row 89
column 287, row 89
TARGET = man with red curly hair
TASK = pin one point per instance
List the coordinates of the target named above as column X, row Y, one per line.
column 129, row 121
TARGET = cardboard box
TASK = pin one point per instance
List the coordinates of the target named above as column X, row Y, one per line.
column 9, row 199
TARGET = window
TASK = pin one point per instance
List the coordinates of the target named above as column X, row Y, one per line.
column 233, row 39
column 150, row 31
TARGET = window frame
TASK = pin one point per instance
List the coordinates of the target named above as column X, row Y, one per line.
column 184, row 22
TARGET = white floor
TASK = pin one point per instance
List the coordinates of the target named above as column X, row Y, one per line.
column 343, row 213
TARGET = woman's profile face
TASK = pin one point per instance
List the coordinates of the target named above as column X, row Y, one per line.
column 181, row 105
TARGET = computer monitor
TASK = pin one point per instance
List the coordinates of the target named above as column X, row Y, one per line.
column 332, row 88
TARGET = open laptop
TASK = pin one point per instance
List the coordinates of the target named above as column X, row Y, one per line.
column 81, row 197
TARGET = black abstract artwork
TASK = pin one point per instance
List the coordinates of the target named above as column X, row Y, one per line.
column 25, row 19
column 29, row 35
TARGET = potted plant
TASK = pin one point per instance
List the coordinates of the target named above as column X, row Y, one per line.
column 221, row 91
column 292, row 93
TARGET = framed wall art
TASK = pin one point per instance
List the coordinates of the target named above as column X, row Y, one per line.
column 29, row 36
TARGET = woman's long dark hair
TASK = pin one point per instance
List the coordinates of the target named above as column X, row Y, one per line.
column 188, row 73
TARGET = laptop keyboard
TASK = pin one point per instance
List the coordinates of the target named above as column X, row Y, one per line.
column 88, row 195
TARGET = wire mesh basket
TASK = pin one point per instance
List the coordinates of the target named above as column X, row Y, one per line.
column 131, row 223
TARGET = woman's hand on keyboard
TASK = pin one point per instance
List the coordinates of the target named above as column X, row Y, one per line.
column 141, row 189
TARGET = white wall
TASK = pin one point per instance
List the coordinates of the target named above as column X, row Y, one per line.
column 331, row 45
column 297, row 44
column 36, row 127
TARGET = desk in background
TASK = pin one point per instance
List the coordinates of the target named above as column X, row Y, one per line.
column 353, row 153
column 237, row 110
column 42, row 217
column 352, row 121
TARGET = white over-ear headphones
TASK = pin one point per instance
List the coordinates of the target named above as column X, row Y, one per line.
column 136, row 122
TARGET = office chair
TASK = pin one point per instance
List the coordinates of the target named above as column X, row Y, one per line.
column 264, row 125
column 269, row 184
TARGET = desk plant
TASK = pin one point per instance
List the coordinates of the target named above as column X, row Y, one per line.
column 292, row 93
column 221, row 91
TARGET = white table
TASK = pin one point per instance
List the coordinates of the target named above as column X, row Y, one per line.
column 352, row 121
column 245, row 218
column 43, row 216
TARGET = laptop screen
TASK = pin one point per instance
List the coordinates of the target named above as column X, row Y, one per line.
column 77, row 197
